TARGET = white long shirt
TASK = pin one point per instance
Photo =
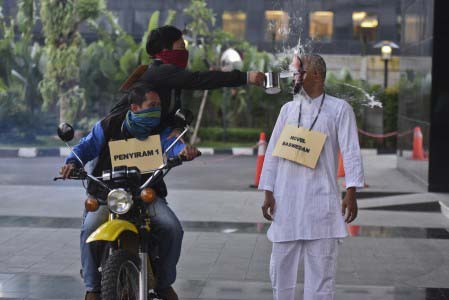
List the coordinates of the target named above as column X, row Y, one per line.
column 308, row 200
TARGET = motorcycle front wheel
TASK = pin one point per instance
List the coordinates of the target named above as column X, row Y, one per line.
column 120, row 277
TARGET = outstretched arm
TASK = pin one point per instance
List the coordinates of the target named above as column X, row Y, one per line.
column 173, row 77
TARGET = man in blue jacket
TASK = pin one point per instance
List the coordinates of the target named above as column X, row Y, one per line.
column 139, row 121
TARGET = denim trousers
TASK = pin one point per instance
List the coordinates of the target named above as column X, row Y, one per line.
column 166, row 231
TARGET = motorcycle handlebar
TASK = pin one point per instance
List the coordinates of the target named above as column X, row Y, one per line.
column 81, row 174
column 184, row 158
column 75, row 174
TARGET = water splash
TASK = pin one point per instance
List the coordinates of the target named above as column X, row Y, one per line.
column 286, row 74
column 369, row 100
column 292, row 41
column 297, row 43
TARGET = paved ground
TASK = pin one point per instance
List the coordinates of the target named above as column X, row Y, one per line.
column 399, row 250
column 229, row 172
column 218, row 172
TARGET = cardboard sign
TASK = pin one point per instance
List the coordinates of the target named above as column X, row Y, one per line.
column 300, row 145
column 146, row 154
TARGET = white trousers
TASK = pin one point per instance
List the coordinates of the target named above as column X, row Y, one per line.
column 320, row 266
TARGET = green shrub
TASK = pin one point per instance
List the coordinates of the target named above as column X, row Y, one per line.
column 232, row 134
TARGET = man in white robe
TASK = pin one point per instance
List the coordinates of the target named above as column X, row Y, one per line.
column 304, row 204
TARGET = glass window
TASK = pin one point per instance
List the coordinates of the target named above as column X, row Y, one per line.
column 364, row 26
column 277, row 25
column 141, row 19
column 412, row 28
column 235, row 23
column 321, row 25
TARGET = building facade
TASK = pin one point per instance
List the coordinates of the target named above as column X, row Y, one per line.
column 327, row 26
column 415, row 93
column 423, row 119
column 343, row 31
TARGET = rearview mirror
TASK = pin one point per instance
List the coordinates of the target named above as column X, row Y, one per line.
column 183, row 117
column 65, row 132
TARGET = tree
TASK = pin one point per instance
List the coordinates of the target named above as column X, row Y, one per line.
column 205, row 53
column 107, row 62
column 19, row 74
column 63, row 42
column 202, row 17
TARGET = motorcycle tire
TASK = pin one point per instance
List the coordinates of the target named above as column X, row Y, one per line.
column 120, row 276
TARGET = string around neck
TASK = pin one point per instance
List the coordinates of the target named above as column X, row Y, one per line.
column 316, row 118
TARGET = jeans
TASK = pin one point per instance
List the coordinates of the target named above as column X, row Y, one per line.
column 166, row 230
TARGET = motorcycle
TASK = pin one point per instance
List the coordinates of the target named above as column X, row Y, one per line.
column 126, row 268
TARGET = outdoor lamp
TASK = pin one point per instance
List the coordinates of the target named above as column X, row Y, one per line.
column 386, row 49
column 368, row 25
column 369, row 22
column 386, row 52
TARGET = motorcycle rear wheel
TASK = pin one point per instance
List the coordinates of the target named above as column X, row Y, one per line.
column 120, row 277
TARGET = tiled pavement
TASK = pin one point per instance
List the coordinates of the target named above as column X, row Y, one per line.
column 44, row 263
column 397, row 254
column 405, row 258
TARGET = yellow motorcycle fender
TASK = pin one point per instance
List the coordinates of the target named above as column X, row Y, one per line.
column 111, row 230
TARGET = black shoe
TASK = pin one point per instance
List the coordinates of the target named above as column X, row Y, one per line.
column 92, row 296
column 167, row 294
column 152, row 295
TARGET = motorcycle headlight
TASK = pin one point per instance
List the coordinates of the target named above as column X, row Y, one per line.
column 119, row 201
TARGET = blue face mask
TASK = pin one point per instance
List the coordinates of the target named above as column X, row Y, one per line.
column 140, row 124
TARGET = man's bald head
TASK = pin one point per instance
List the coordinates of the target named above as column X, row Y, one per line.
column 314, row 63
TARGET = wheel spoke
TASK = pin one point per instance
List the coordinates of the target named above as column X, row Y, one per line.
column 127, row 287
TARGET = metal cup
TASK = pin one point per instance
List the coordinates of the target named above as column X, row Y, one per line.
column 272, row 83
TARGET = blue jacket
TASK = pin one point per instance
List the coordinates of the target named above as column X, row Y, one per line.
column 91, row 145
